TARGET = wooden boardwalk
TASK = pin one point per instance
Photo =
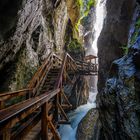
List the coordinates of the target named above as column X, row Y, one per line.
column 40, row 108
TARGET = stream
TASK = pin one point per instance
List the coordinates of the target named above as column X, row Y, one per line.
column 68, row 132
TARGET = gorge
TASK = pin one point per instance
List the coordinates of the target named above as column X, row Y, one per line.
column 72, row 29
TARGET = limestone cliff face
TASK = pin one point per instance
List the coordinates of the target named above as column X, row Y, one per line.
column 118, row 98
column 29, row 31
column 25, row 42
column 114, row 35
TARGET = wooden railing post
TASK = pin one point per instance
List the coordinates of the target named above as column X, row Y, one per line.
column 2, row 105
column 7, row 133
column 56, row 115
column 44, row 121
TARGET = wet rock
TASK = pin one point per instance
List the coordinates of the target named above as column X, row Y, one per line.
column 114, row 35
column 89, row 128
column 119, row 102
column 78, row 93
column 89, row 31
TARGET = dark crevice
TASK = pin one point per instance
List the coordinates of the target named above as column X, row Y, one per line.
column 8, row 16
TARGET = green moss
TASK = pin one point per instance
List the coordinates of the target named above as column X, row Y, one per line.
column 125, row 49
column 74, row 46
column 85, row 6
column 23, row 71
column 75, row 49
column 136, row 32
column 133, row 37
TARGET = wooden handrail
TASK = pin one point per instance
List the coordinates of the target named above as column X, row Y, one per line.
column 13, row 93
column 38, row 73
column 6, row 96
column 60, row 76
column 13, row 111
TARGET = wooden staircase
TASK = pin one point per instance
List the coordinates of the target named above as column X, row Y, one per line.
column 50, row 80
column 42, row 105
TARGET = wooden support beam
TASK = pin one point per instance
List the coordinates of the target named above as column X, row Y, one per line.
column 2, row 105
column 44, row 122
column 7, row 133
column 63, row 112
column 65, row 106
column 56, row 113
column 66, row 99
column 26, row 127
column 53, row 130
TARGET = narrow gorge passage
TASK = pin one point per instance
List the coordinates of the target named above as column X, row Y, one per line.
column 68, row 132
column 70, row 70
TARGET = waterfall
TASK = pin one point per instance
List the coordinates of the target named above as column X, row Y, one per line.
column 100, row 15
column 93, row 50
column 68, row 132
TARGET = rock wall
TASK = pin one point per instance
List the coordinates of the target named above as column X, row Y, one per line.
column 38, row 29
column 118, row 99
column 29, row 31
column 114, row 35
column 80, row 86
column 89, row 128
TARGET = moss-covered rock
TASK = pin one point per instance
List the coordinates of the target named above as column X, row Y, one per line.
column 75, row 49
column 25, row 68
column 78, row 10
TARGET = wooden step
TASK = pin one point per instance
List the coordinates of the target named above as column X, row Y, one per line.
column 49, row 82
column 47, row 86
column 43, row 91
column 52, row 77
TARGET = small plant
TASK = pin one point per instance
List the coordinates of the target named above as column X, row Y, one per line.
column 125, row 49
column 74, row 46
column 136, row 32
column 85, row 7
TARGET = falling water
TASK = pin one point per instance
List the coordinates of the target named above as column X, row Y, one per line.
column 68, row 132
column 100, row 15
